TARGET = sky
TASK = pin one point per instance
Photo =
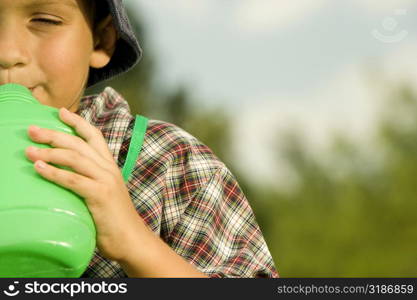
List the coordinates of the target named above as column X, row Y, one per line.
column 275, row 64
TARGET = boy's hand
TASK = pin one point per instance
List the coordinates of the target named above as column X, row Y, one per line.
column 96, row 178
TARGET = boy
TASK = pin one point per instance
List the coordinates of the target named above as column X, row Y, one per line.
column 179, row 212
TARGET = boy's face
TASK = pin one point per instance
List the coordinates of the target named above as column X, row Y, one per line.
column 48, row 46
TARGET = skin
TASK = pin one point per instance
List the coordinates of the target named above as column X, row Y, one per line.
column 55, row 59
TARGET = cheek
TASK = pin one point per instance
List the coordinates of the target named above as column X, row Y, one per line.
column 63, row 56
column 63, row 61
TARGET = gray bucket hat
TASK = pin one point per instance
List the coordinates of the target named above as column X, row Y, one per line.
column 128, row 51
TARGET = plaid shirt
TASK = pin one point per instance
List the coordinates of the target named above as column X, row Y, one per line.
column 184, row 193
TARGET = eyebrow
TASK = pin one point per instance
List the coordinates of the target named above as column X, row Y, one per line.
column 38, row 3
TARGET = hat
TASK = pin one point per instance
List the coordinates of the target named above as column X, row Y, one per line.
column 128, row 51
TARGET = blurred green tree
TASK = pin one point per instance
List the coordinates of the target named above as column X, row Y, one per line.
column 356, row 218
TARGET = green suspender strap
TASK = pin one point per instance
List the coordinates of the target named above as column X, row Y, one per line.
column 135, row 146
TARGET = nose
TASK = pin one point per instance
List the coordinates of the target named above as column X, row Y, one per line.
column 13, row 49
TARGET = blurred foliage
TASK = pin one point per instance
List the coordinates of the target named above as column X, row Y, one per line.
column 360, row 223
column 349, row 215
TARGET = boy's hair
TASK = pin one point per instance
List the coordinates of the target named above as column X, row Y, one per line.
column 98, row 10
column 128, row 51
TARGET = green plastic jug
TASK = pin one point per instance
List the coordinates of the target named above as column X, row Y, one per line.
column 46, row 230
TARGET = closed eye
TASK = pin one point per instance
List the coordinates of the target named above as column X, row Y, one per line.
column 48, row 21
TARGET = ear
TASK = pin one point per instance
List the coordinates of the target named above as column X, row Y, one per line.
column 105, row 38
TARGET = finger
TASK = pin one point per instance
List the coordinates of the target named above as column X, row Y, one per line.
column 69, row 158
column 88, row 132
column 58, row 139
column 81, row 185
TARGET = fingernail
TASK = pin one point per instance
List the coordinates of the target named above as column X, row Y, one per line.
column 35, row 128
column 33, row 149
column 40, row 164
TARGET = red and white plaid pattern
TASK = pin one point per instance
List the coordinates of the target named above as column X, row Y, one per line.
column 184, row 193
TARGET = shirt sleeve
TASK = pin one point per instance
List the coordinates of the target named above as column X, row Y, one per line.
column 217, row 232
